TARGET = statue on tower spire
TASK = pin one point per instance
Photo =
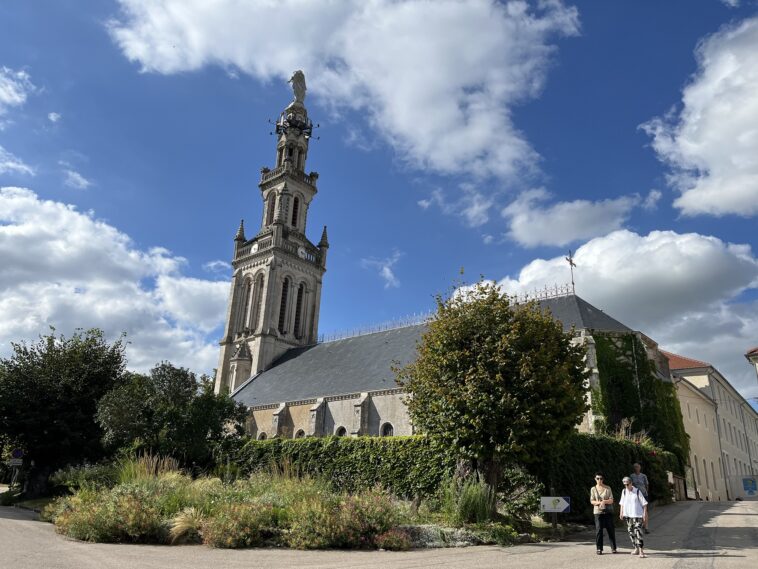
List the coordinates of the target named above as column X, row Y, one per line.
column 298, row 86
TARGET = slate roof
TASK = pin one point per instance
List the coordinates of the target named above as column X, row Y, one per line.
column 363, row 363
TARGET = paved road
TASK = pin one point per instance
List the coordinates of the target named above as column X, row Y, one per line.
column 691, row 535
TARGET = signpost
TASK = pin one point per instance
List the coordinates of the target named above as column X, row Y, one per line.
column 16, row 461
column 750, row 486
column 555, row 505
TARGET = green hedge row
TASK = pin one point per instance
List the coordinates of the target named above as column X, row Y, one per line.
column 407, row 466
column 414, row 466
column 571, row 471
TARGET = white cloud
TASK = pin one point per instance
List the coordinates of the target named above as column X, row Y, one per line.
column 74, row 179
column 472, row 206
column 14, row 88
column 443, row 101
column 652, row 199
column 65, row 268
column 11, row 164
column 532, row 224
column 731, row 3
column 384, row 268
column 218, row 266
column 712, row 144
column 54, row 117
column 682, row 290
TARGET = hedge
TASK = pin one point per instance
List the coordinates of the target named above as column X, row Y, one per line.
column 407, row 466
column 415, row 466
column 574, row 467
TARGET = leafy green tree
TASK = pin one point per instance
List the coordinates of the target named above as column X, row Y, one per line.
column 495, row 382
column 170, row 411
column 49, row 392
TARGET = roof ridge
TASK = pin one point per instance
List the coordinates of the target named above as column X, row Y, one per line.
column 682, row 362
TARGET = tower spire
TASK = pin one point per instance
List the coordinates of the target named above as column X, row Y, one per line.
column 324, row 243
column 240, row 236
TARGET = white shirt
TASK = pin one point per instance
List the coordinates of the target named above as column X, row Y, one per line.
column 632, row 501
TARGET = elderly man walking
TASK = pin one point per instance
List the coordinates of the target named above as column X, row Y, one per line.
column 633, row 510
column 642, row 484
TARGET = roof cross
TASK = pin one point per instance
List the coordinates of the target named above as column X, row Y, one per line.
column 572, row 264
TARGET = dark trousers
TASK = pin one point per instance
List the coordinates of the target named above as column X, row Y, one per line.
column 604, row 521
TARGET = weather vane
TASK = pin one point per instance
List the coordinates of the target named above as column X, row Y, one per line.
column 572, row 264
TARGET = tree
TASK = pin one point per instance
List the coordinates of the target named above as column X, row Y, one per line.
column 49, row 392
column 170, row 411
column 495, row 382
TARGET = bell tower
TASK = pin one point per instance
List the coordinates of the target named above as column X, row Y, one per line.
column 276, row 283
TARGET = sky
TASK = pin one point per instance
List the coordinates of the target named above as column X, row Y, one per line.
column 457, row 139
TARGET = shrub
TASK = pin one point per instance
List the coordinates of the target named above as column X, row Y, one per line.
column 86, row 475
column 186, row 526
column 316, row 524
column 366, row 515
column 467, row 502
column 394, row 540
column 241, row 525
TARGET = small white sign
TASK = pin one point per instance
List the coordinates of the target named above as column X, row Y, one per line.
column 558, row 504
column 16, row 462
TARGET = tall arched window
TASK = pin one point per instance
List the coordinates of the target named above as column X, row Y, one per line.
column 283, row 305
column 301, row 160
column 341, row 432
column 295, row 211
column 299, row 310
column 248, row 292
column 271, row 208
column 279, row 156
column 257, row 301
column 387, row 430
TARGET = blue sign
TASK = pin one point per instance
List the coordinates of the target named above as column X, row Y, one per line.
column 750, row 485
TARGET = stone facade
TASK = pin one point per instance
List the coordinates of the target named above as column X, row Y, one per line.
column 379, row 413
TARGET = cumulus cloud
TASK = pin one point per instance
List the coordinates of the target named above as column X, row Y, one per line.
column 711, row 144
column 441, row 100
column 65, row 268
column 686, row 291
column 384, row 268
column 54, row 117
column 11, row 164
column 15, row 86
column 532, row 223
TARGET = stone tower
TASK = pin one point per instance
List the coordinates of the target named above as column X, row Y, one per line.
column 276, row 284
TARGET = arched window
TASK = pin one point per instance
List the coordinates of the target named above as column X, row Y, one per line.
column 290, row 151
column 300, row 434
column 283, row 305
column 257, row 301
column 295, row 211
column 387, row 430
column 299, row 310
column 301, row 160
column 705, row 471
column 697, row 470
column 341, row 432
column 248, row 297
column 713, row 475
column 271, row 208
column 261, row 436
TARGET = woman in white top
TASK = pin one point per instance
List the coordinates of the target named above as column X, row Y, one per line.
column 633, row 510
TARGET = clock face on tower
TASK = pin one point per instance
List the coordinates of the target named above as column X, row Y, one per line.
column 301, row 252
column 254, row 248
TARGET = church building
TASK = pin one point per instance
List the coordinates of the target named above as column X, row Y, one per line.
column 271, row 360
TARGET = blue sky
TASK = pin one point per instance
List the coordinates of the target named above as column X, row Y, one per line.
column 486, row 136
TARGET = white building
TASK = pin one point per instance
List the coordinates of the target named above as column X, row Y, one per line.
column 735, row 423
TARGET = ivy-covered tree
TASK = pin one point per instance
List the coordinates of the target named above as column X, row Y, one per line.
column 49, row 392
column 494, row 381
column 170, row 411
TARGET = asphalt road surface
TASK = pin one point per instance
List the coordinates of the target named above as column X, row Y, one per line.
column 691, row 535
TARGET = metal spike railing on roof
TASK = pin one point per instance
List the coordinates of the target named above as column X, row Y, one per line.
column 545, row 293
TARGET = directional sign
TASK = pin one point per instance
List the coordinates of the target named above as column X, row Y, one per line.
column 558, row 504
column 750, row 485
column 15, row 462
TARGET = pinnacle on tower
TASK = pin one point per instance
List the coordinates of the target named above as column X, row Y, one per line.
column 240, row 236
column 324, row 243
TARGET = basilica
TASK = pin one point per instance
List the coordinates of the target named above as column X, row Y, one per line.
column 293, row 385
